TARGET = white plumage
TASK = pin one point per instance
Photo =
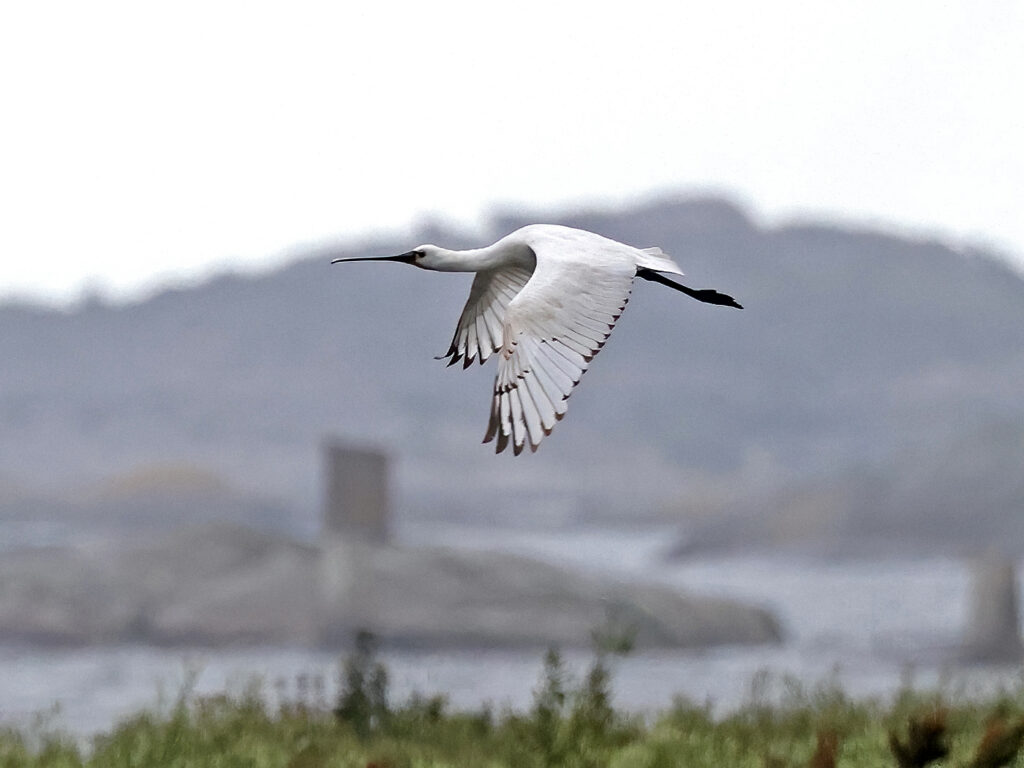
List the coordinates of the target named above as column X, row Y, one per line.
column 546, row 298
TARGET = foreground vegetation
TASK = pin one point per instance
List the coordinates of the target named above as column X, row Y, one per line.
column 571, row 723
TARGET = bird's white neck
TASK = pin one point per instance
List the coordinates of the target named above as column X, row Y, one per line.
column 499, row 254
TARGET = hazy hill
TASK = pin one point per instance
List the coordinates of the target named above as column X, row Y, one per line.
column 857, row 352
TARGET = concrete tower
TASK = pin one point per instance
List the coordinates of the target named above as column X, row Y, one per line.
column 356, row 503
column 993, row 629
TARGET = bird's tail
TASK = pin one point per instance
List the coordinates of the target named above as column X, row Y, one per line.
column 657, row 260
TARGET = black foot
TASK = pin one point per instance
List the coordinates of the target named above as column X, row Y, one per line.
column 709, row 296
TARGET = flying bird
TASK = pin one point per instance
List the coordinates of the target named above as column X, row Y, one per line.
column 546, row 298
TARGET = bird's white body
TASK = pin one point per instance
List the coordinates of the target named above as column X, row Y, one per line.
column 546, row 298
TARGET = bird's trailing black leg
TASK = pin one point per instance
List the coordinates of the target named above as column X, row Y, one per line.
column 706, row 295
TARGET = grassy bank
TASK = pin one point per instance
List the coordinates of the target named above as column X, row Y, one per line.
column 571, row 723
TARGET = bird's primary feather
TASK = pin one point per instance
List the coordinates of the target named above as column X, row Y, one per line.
column 479, row 332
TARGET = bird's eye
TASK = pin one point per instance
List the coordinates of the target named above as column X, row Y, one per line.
column 418, row 254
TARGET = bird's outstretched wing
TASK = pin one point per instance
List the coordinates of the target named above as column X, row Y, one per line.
column 479, row 332
column 552, row 330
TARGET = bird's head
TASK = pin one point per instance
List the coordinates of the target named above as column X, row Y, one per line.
column 423, row 256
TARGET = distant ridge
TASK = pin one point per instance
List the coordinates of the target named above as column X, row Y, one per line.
column 857, row 349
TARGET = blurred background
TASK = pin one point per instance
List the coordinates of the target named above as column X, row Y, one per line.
column 218, row 452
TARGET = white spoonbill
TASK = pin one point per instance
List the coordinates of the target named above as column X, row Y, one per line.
column 547, row 298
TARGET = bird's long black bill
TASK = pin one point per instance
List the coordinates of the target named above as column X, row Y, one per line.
column 407, row 258
column 707, row 295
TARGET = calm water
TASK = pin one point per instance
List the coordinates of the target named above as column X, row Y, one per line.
column 864, row 624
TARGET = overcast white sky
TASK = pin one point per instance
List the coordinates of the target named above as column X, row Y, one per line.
column 141, row 143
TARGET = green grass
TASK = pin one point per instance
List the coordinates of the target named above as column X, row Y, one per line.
column 571, row 723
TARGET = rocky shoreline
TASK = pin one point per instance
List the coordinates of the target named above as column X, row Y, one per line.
column 222, row 585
